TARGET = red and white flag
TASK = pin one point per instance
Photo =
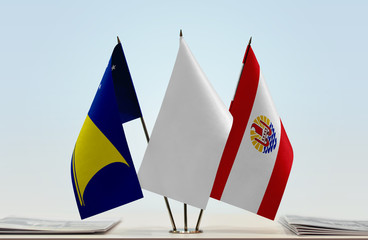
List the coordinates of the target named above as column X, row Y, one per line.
column 257, row 158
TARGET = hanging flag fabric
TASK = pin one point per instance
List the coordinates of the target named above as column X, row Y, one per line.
column 257, row 158
column 188, row 137
column 102, row 170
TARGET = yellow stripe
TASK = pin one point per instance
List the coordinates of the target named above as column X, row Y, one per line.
column 76, row 181
column 93, row 152
column 258, row 120
column 260, row 148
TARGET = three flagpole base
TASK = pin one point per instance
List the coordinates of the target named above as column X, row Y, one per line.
column 182, row 231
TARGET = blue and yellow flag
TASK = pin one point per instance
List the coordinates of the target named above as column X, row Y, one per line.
column 103, row 173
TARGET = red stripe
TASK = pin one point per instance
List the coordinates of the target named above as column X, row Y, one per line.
column 240, row 108
column 279, row 177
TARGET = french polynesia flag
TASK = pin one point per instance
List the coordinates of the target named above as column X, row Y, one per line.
column 257, row 158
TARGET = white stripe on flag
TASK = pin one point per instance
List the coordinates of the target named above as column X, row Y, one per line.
column 252, row 169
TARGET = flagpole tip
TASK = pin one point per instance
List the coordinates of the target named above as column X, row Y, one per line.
column 118, row 39
column 181, row 33
column 250, row 41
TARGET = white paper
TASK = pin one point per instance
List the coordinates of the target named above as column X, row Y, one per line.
column 322, row 226
column 33, row 225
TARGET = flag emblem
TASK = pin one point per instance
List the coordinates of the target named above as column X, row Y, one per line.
column 263, row 135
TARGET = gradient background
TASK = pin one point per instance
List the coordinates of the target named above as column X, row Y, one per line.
column 313, row 55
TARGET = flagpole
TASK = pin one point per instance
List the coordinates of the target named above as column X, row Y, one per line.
column 147, row 138
column 185, row 205
column 165, row 198
column 245, row 58
column 185, row 218
column 199, row 220
column 145, row 129
column 170, row 213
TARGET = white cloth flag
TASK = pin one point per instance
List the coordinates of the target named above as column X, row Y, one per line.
column 188, row 138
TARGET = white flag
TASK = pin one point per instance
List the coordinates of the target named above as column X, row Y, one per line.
column 188, row 138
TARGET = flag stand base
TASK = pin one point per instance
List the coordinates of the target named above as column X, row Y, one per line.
column 182, row 231
column 186, row 230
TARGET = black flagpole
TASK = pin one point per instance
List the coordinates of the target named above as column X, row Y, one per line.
column 185, row 218
column 199, row 220
column 147, row 138
column 185, row 205
column 165, row 198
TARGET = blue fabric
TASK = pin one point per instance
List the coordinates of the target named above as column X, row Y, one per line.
column 123, row 85
column 115, row 103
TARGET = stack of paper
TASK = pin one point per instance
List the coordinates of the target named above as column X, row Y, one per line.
column 322, row 226
column 39, row 226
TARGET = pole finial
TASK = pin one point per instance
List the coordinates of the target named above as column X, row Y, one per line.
column 118, row 39
column 181, row 33
column 250, row 41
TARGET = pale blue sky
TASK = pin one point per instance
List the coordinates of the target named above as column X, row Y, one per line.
column 312, row 55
